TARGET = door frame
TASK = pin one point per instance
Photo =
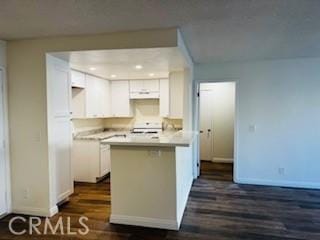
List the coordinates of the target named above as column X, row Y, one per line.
column 6, row 140
column 236, row 115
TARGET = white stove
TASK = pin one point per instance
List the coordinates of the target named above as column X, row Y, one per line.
column 147, row 128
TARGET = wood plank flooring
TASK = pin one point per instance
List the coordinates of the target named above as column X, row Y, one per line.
column 217, row 209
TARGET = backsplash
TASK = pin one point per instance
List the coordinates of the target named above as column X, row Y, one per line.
column 144, row 111
column 123, row 123
column 83, row 125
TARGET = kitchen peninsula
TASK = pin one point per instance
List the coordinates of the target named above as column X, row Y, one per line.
column 151, row 178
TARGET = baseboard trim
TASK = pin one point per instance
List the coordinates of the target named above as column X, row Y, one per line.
column 222, row 160
column 291, row 184
column 144, row 222
column 54, row 210
column 41, row 212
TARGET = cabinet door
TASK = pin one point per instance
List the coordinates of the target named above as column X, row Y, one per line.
column 92, row 96
column 151, row 85
column 106, row 98
column 59, row 126
column 136, row 86
column 176, row 88
column 105, row 163
column 120, row 101
column 78, row 79
column 164, row 97
column 86, row 160
column 101, row 94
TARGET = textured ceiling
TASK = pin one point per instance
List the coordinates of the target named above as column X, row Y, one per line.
column 120, row 63
column 214, row 30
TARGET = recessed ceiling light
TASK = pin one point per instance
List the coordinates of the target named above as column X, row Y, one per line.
column 138, row 67
column 92, row 68
column 151, row 74
column 113, row 75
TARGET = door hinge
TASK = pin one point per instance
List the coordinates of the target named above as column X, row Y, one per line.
column 198, row 94
column 198, row 165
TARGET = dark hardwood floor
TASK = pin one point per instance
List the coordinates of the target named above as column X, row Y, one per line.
column 217, row 171
column 217, row 209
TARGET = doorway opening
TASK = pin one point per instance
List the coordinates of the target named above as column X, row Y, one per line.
column 217, row 131
column 98, row 94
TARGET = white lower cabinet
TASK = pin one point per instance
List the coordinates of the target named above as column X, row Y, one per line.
column 91, row 160
column 105, row 163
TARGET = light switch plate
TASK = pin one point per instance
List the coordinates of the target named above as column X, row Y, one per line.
column 252, row 128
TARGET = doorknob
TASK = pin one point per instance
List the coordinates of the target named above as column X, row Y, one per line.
column 201, row 131
column 208, row 134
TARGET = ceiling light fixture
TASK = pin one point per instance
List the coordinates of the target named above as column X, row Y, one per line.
column 138, row 67
column 113, row 75
column 151, row 74
column 92, row 68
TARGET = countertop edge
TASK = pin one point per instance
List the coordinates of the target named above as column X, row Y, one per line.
column 144, row 144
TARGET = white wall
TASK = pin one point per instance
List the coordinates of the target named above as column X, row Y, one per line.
column 281, row 98
column 222, row 107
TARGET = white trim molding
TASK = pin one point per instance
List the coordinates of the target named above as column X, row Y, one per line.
column 41, row 212
column 278, row 183
column 145, row 222
column 6, row 137
column 222, row 160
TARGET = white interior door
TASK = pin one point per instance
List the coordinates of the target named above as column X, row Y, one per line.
column 3, row 186
column 206, row 123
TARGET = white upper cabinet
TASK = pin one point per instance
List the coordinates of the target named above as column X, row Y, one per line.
column 97, row 97
column 151, row 85
column 100, row 98
column 143, row 89
column 136, row 85
column 106, row 98
column 78, row 79
column 92, row 97
column 176, row 89
column 120, row 99
column 164, row 98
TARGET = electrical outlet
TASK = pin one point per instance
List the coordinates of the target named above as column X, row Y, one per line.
column 281, row 171
column 155, row 153
column 26, row 193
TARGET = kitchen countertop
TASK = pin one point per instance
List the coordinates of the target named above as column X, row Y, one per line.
column 165, row 139
column 102, row 135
